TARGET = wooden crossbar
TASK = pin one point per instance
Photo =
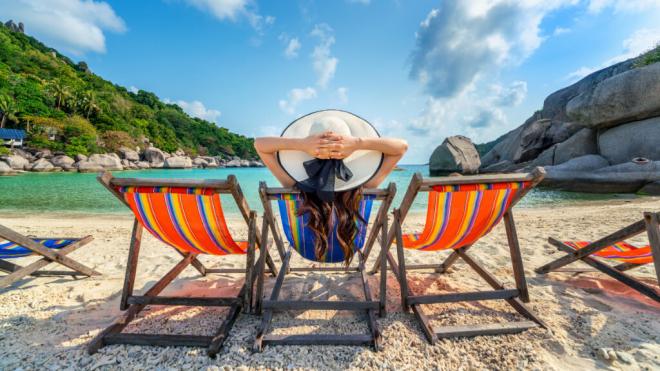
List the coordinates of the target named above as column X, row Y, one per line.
column 318, row 339
column 464, row 296
column 184, row 301
column 319, row 305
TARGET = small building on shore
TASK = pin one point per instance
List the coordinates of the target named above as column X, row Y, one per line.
column 12, row 137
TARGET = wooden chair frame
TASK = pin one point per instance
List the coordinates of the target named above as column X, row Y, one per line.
column 514, row 297
column 650, row 224
column 369, row 305
column 133, row 304
column 16, row 272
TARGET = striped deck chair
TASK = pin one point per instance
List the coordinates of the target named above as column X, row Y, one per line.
column 613, row 248
column 52, row 250
column 460, row 211
column 188, row 216
column 302, row 242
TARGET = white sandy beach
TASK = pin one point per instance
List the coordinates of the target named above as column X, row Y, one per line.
column 594, row 321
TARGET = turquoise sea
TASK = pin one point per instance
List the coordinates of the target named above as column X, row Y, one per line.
column 82, row 194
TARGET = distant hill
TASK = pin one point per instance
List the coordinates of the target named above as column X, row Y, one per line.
column 50, row 96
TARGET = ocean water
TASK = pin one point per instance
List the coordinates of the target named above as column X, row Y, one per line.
column 82, row 194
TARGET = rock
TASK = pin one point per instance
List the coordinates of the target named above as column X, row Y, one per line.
column 501, row 166
column 635, row 139
column 255, row 163
column 44, row 153
column 179, row 152
column 142, row 165
column 651, row 189
column 23, row 153
column 455, row 154
column 153, row 155
column 200, row 162
column 583, row 163
column 244, row 163
column 177, row 162
column 128, row 154
column 63, row 161
column 233, row 163
column 622, row 98
column 87, row 166
column 108, row 161
column 16, row 162
column 580, row 144
column 5, row 169
column 80, row 157
column 42, row 165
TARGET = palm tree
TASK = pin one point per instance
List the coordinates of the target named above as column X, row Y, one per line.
column 60, row 92
column 87, row 103
column 8, row 109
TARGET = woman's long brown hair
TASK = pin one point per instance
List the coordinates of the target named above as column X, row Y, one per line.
column 346, row 210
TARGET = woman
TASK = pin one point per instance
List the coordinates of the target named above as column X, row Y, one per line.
column 331, row 156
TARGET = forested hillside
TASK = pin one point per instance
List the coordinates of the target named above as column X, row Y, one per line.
column 44, row 92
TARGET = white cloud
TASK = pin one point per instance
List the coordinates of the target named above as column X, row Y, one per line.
column 233, row 10
column 196, row 108
column 639, row 42
column 133, row 89
column 465, row 40
column 324, row 63
column 292, row 45
column 76, row 26
column 296, row 96
column 342, row 94
column 560, row 31
column 596, row 6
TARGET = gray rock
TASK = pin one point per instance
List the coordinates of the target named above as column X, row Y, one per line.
column 128, row 154
column 651, row 189
column 154, row 155
column 255, row 163
column 233, row 163
column 142, row 165
column 583, row 163
column 580, row 144
column 44, row 153
column 108, row 161
column 546, row 158
column 621, row 178
column 5, row 169
column 17, row 162
column 244, row 163
column 62, row 161
column 178, row 162
column 179, row 152
column 455, row 154
column 625, row 97
column 42, row 165
column 635, row 139
column 498, row 167
column 87, row 166
column 80, row 157
column 23, row 153
column 199, row 162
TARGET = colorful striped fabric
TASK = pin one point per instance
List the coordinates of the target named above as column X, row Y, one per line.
column 302, row 239
column 12, row 250
column 459, row 215
column 620, row 251
column 188, row 219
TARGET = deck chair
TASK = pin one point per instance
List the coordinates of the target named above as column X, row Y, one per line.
column 302, row 241
column 188, row 216
column 613, row 248
column 51, row 250
column 460, row 211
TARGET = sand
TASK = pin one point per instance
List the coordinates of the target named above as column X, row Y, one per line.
column 594, row 321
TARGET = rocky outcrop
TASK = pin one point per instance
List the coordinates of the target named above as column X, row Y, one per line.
column 63, row 161
column 108, row 161
column 626, row 97
column 42, row 165
column 5, row 169
column 17, row 162
column 128, row 154
column 635, row 139
column 154, row 156
column 456, row 154
column 582, row 143
column 86, row 166
column 178, row 162
column 621, row 178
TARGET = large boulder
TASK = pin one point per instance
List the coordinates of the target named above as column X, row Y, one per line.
column 651, row 189
column 154, row 156
column 63, row 161
column 5, row 169
column 126, row 153
column 16, row 162
column 108, row 161
column 42, row 165
column 233, row 163
column 636, row 139
column 87, row 166
column 142, row 165
column 23, row 153
column 582, row 163
column 199, row 162
column 178, row 162
column 580, row 144
column 256, row 163
column 628, row 96
column 456, row 154
column 80, row 157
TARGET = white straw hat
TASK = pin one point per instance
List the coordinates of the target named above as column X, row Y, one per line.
column 363, row 164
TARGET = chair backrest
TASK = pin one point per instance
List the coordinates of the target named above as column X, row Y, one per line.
column 10, row 249
column 461, row 210
column 185, row 214
column 301, row 238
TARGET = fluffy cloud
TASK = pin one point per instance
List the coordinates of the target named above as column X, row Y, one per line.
column 233, row 10
column 76, row 26
column 342, row 94
column 324, row 63
column 460, row 42
column 596, row 6
column 292, row 45
column 296, row 96
column 639, row 42
column 197, row 109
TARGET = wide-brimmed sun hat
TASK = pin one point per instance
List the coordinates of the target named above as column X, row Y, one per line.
column 357, row 169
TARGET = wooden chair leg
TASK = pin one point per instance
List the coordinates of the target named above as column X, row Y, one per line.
column 383, row 269
column 516, row 257
column 653, row 230
column 131, row 265
column 261, row 266
column 267, row 316
column 403, row 277
column 250, row 261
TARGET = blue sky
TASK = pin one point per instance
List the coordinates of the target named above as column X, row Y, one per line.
column 422, row 70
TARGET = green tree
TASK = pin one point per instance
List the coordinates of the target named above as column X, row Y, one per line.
column 61, row 93
column 8, row 109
